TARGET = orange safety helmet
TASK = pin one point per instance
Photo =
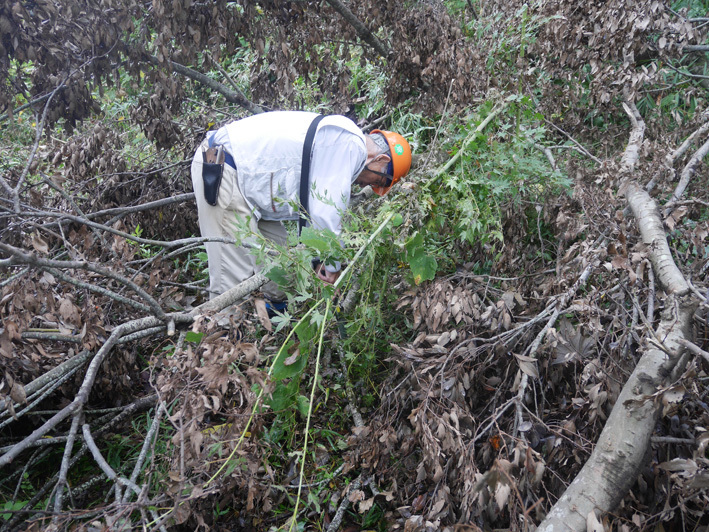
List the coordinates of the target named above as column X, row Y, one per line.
column 400, row 153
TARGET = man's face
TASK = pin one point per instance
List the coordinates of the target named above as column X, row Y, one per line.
column 374, row 172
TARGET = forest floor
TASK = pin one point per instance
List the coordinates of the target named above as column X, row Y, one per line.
column 482, row 418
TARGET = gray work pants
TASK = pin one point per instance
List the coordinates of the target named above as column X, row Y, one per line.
column 230, row 264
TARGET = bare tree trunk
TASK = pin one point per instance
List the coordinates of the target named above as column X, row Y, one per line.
column 621, row 449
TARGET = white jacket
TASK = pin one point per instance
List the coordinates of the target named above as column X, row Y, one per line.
column 268, row 148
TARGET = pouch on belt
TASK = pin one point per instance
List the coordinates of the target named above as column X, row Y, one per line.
column 212, row 170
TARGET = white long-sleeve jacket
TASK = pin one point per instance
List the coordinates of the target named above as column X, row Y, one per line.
column 268, row 148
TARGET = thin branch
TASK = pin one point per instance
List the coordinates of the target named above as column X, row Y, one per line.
column 362, row 30
column 451, row 162
column 37, row 385
column 28, row 104
column 180, row 198
column 695, row 349
column 578, row 145
column 223, row 72
column 101, row 461
column 169, row 244
column 64, row 470
column 682, row 149
column 6, row 263
column 99, row 290
column 33, row 150
column 688, row 74
column 20, row 257
column 687, row 173
column 340, row 513
column 71, row 202
column 40, row 396
column 152, row 433
column 236, row 97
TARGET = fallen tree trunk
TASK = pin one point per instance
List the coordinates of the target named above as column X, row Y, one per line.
column 621, row 449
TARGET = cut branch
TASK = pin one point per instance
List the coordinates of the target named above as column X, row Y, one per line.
column 18, row 256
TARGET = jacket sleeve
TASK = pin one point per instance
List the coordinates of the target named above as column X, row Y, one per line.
column 338, row 157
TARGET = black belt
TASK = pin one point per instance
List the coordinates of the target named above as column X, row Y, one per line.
column 228, row 159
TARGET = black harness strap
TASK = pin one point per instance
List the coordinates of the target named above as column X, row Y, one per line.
column 305, row 172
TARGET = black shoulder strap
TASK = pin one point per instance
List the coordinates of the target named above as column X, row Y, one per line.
column 305, row 172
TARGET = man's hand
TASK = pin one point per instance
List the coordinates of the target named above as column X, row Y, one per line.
column 324, row 275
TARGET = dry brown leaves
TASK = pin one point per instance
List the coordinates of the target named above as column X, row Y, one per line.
column 209, row 387
column 450, row 440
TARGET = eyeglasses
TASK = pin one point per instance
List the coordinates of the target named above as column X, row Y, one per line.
column 388, row 175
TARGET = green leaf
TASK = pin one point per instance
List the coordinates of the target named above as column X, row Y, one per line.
column 12, row 506
column 193, row 337
column 423, row 267
column 281, row 321
column 414, row 244
column 323, row 241
column 283, row 395
column 233, row 464
column 278, row 275
column 397, row 220
column 303, row 404
column 306, row 331
column 287, row 366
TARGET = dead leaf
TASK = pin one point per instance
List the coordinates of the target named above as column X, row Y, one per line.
column 292, row 359
column 593, row 524
column 39, row 244
column 528, row 365
column 355, row 496
column 262, row 313
column 365, row 505
column 502, row 493
column 674, row 218
column 15, row 390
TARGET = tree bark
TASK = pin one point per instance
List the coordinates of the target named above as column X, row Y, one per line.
column 620, row 452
